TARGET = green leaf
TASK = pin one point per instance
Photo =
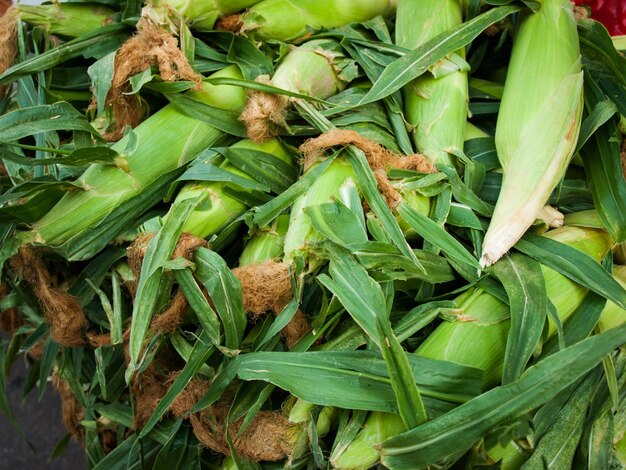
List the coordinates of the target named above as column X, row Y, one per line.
column 363, row 298
column 450, row 435
column 574, row 265
column 525, row 286
column 555, row 449
column 241, row 51
column 48, row 117
column 79, row 157
column 369, row 188
column 268, row 212
column 601, row 157
column 181, row 452
column 436, row 235
column 385, row 262
column 263, row 167
column 159, row 250
column 337, row 223
column 204, row 313
column 108, row 38
column 602, row 112
column 47, row 362
column 101, row 75
column 580, row 324
column 221, row 119
column 339, row 373
column 225, row 291
column 414, row 63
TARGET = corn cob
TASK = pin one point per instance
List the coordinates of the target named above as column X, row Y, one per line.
column 538, row 122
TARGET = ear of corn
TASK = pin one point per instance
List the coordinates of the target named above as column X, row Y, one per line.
column 317, row 68
column 287, row 20
column 67, row 19
column 218, row 208
column 165, row 141
column 479, row 337
column 268, row 244
column 435, row 106
column 202, row 15
column 538, row 122
column 361, row 452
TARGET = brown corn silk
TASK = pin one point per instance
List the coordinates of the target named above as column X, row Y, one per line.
column 151, row 46
column 378, row 157
column 61, row 310
column 266, row 438
column 266, row 288
column 71, row 409
column 8, row 42
column 264, row 113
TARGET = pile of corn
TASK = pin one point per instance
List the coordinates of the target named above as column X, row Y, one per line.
column 266, row 234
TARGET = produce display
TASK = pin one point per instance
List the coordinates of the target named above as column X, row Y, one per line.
column 264, row 234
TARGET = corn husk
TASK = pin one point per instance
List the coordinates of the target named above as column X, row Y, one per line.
column 217, row 208
column 538, row 123
column 478, row 337
column 68, row 20
column 436, row 102
column 287, row 20
column 166, row 140
column 201, row 16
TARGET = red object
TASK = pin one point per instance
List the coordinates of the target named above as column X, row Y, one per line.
column 611, row 13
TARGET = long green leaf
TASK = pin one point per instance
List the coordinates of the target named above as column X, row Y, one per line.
column 528, row 299
column 221, row 119
column 601, row 157
column 435, row 234
column 450, row 435
column 363, row 298
column 225, row 291
column 48, row 117
column 159, row 250
column 338, row 374
column 108, row 37
column 573, row 264
column 199, row 304
column 414, row 63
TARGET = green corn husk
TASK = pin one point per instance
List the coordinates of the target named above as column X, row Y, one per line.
column 435, row 104
column 165, row 141
column 511, row 457
column 218, row 209
column 361, row 453
column 268, row 244
column 317, row 68
column 538, row 122
column 202, row 15
column 613, row 315
column 335, row 181
column 68, row 20
column 483, row 345
column 287, row 20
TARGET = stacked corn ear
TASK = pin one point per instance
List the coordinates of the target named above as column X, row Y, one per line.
column 435, row 104
column 284, row 20
column 200, row 298
column 534, row 151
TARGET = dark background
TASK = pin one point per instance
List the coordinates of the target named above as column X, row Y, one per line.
column 42, row 425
